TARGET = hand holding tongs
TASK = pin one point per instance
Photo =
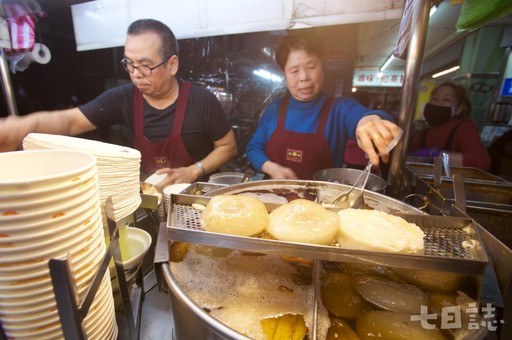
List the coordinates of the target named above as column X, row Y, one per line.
column 357, row 201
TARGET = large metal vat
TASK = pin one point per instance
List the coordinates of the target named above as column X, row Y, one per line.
column 190, row 320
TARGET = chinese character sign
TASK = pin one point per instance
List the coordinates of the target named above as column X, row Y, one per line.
column 370, row 78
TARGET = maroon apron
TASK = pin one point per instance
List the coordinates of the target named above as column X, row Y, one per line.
column 304, row 153
column 169, row 152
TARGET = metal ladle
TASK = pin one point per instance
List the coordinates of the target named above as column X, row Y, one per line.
column 357, row 201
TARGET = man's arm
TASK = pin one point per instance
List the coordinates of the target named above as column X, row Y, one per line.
column 69, row 122
column 224, row 150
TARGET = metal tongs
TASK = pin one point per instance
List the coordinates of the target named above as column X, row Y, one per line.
column 357, row 200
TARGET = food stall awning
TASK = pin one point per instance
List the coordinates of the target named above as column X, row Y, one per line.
column 103, row 24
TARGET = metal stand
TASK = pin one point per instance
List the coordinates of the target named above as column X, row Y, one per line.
column 72, row 315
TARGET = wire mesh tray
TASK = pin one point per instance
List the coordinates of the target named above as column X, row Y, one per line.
column 451, row 244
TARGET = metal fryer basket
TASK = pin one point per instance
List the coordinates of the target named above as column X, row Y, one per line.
column 451, row 244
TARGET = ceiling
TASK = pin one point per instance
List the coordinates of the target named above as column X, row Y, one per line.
column 377, row 39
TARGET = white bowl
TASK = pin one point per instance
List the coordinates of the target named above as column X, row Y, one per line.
column 49, row 251
column 134, row 247
column 26, row 213
column 35, row 170
column 33, row 235
column 63, row 240
column 27, row 270
column 175, row 188
column 77, row 215
column 24, row 193
column 134, row 244
column 34, row 202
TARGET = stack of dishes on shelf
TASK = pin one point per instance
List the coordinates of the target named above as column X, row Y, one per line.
column 49, row 209
column 118, row 170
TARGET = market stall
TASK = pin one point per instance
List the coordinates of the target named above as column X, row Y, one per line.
column 467, row 254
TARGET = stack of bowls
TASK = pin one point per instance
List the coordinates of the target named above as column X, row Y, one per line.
column 49, row 209
column 118, row 170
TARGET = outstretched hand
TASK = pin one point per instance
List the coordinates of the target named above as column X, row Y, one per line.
column 374, row 135
column 277, row 171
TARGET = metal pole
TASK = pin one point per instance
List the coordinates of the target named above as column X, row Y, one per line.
column 419, row 26
column 7, row 86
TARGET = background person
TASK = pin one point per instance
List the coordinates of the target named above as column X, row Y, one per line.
column 451, row 130
column 306, row 131
column 179, row 128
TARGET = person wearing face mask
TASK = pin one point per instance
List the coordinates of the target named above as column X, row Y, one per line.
column 450, row 130
column 306, row 130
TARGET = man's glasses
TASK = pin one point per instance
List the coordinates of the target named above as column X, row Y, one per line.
column 143, row 70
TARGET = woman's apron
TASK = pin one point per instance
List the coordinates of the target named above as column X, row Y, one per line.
column 304, row 153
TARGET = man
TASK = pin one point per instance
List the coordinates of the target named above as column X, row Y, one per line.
column 180, row 129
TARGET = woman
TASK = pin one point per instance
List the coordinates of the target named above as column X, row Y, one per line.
column 450, row 130
column 306, row 131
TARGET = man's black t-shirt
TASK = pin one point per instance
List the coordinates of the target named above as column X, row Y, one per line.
column 205, row 120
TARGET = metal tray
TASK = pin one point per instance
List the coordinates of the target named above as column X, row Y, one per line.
column 500, row 193
column 445, row 241
column 202, row 188
column 470, row 174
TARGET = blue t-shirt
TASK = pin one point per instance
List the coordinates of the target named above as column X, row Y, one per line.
column 304, row 117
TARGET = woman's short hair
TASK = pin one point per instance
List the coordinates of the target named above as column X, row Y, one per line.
column 169, row 43
column 304, row 39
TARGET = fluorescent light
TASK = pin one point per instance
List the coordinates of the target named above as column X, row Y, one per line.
column 267, row 75
column 442, row 73
column 386, row 64
column 433, row 9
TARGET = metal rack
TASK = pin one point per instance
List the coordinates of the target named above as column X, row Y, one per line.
column 445, row 241
column 72, row 313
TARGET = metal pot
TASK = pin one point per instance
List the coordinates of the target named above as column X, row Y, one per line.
column 190, row 320
column 349, row 176
column 227, row 178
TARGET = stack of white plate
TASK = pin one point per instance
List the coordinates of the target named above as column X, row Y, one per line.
column 118, row 169
column 49, row 209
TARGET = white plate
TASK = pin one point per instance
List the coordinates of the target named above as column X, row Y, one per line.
column 42, row 140
column 155, row 178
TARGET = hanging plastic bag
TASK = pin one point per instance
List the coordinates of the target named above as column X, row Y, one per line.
column 21, row 19
column 476, row 13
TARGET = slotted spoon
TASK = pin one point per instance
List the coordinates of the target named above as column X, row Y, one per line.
column 357, row 201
